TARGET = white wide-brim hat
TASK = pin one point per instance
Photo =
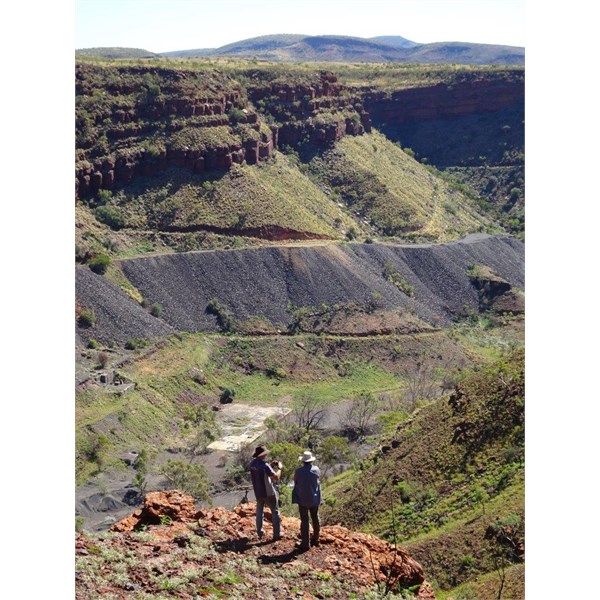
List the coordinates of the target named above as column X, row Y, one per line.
column 307, row 457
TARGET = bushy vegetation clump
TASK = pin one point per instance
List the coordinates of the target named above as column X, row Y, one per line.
column 99, row 264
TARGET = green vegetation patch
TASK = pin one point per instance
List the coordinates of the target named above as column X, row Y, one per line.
column 384, row 186
column 245, row 198
column 202, row 138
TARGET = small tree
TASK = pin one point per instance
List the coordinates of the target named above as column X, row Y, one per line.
column 504, row 541
column 480, row 496
column 225, row 319
column 421, row 382
column 141, row 470
column 227, row 395
column 332, row 450
column 287, row 453
column 309, row 412
column 358, row 418
column 102, row 360
column 187, row 477
column 206, row 427
column 156, row 310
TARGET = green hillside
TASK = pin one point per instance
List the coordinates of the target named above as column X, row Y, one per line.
column 449, row 484
column 384, row 186
column 246, row 198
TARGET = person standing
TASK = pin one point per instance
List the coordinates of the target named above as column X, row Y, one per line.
column 307, row 494
column 263, row 477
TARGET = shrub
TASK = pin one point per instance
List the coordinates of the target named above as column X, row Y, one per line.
column 276, row 372
column 225, row 319
column 111, row 216
column 235, row 115
column 352, row 233
column 102, row 360
column 390, row 272
column 87, row 318
column 156, row 310
column 99, row 264
column 79, row 522
column 104, row 196
column 133, row 344
column 227, row 395
column 93, row 344
column 187, row 477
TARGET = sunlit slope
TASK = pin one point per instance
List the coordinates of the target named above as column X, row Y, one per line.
column 450, row 482
column 396, row 195
column 271, row 196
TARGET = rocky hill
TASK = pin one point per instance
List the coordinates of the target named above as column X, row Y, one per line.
column 170, row 548
column 226, row 152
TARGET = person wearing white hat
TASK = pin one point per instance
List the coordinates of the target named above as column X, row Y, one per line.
column 307, row 494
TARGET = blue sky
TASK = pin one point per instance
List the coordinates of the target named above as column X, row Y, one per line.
column 164, row 25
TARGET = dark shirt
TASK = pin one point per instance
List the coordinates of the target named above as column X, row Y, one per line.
column 259, row 470
column 307, row 485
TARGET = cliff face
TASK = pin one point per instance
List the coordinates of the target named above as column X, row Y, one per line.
column 220, row 548
column 319, row 110
column 134, row 121
column 139, row 121
column 444, row 101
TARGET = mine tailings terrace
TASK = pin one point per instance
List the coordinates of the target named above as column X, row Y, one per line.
column 265, row 281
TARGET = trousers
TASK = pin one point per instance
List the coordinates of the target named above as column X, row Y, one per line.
column 305, row 526
column 271, row 502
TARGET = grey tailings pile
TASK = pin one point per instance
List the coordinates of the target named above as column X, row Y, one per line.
column 265, row 281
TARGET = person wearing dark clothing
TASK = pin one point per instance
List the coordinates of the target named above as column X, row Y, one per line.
column 263, row 477
column 307, row 494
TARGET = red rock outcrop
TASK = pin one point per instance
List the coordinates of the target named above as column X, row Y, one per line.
column 316, row 109
column 173, row 504
column 362, row 557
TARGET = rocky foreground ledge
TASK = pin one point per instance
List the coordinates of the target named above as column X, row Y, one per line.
column 170, row 548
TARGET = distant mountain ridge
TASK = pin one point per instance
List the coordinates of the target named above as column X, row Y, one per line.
column 338, row 48
column 116, row 52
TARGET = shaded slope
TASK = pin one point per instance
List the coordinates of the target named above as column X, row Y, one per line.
column 119, row 318
column 394, row 40
column 466, row 53
column 265, row 281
